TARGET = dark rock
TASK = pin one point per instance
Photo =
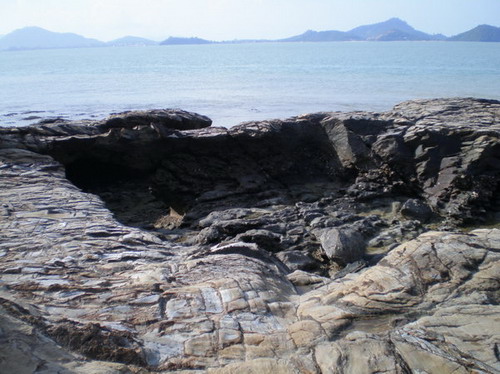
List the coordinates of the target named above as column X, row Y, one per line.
column 353, row 267
column 397, row 232
column 341, row 245
column 265, row 239
column 160, row 119
column 99, row 343
column 298, row 260
column 349, row 147
column 416, row 209
column 210, row 235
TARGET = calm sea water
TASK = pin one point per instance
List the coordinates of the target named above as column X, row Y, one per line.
column 231, row 83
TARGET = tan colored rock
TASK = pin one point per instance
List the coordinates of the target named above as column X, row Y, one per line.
column 232, row 353
column 254, row 339
column 429, row 362
column 304, row 333
column 258, row 366
column 358, row 353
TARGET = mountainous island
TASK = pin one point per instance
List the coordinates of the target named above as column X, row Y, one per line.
column 393, row 29
column 178, row 41
column 38, row 38
column 328, row 243
column 481, row 33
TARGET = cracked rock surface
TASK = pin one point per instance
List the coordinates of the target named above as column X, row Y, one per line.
column 325, row 243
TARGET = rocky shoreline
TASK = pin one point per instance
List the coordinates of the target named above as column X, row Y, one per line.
column 324, row 243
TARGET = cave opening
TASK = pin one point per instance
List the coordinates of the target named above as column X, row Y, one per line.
column 127, row 193
column 92, row 174
column 495, row 205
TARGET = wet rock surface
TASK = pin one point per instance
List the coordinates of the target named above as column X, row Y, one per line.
column 324, row 243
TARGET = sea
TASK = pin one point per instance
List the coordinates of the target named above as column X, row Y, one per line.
column 233, row 83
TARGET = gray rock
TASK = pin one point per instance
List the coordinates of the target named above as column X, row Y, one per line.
column 341, row 245
column 416, row 209
column 133, row 245
column 297, row 260
column 265, row 239
column 160, row 119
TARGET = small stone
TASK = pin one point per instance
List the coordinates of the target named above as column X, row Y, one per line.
column 416, row 209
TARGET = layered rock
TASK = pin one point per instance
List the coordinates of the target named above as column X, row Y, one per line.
column 150, row 242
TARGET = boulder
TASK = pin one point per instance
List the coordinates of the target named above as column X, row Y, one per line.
column 341, row 245
column 416, row 209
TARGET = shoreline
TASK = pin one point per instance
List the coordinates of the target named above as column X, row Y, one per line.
column 230, row 116
column 225, row 117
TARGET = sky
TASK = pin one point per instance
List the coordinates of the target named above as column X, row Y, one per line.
column 239, row 19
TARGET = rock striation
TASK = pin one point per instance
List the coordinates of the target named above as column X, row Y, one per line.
column 324, row 243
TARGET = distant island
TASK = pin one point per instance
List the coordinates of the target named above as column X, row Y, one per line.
column 481, row 33
column 176, row 41
column 38, row 38
column 131, row 41
column 393, row 29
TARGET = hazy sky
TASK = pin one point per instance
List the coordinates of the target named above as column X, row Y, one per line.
column 241, row 19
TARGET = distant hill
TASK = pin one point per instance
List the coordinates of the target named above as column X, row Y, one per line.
column 131, row 41
column 398, row 35
column 481, row 33
column 38, row 38
column 322, row 36
column 391, row 30
column 180, row 41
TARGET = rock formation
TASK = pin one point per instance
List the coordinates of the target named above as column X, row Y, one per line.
column 324, row 243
